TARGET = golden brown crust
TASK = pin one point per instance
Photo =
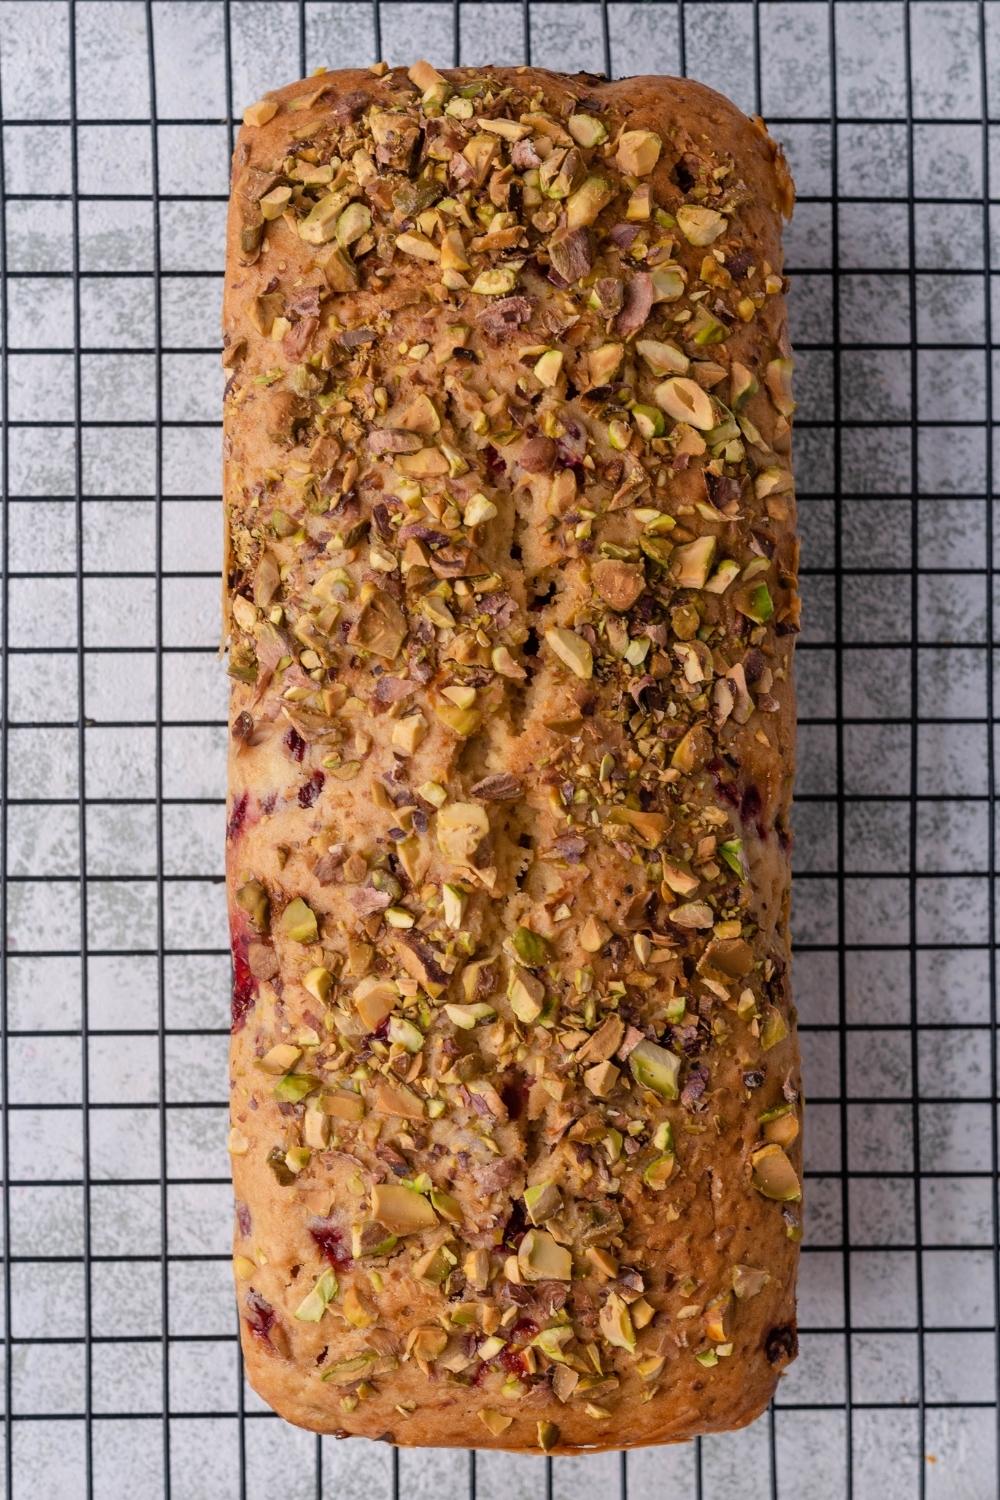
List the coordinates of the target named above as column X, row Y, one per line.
column 512, row 746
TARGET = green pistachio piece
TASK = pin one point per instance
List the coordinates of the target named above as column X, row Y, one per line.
column 586, row 130
column 742, row 384
column 663, row 358
column 253, row 898
column 758, row 605
column 706, row 328
column 699, row 225
column 401, row 1210
column 668, row 283
column 727, row 570
column 648, row 420
column 541, row 1258
column 355, row 221
column 347, row 1371
column 318, row 982
column 685, row 401
column 526, row 994
column 773, row 1174
column 657, row 1174
column 314, row 1305
column 690, row 563
column 548, row 367
column 530, row 947
column 496, row 283
column 774, row 1029
column 583, row 206
column 615, row 1323
column 548, row 1436
column 320, row 224
column 778, row 377
column 553, row 1341
column 404, row 1034
column 655, row 1068
column 542, row 1201
column 572, row 650
column 298, row 922
column 638, row 152
column 294, row 1087
column 276, row 1161
column 732, row 853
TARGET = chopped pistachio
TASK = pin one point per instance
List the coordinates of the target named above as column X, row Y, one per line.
column 648, row 419
column 548, row 367
column 541, row 1258
column 261, row 112
column 774, row 1029
column 584, row 206
column 586, row 130
column 280, row 1058
column 530, row 947
column 298, row 922
column 313, row 1306
column 526, row 994
column 663, row 358
column 253, row 898
column 685, row 401
column 355, row 221
column 401, row 1210
column 655, row 1068
column 778, row 377
column 418, row 245
column 461, row 828
column 773, row 1174
column 495, row 1422
column 700, row 225
column 572, row 650
column 593, row 934
column 499, row 282
column 659, row 1171
column 691, row 563
column 542, row 1201
column 548, row 1436
column 601, row 1079
column 638, row 152
column 616, row 1323
column 318, row 982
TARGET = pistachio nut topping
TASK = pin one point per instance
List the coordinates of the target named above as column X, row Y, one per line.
column 511, row 597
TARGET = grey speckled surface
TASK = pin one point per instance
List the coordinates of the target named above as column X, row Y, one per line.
column 894, row 1395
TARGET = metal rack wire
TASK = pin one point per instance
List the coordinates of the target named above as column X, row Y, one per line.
column 121, row 1369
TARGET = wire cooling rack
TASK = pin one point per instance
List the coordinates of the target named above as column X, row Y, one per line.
column 122, row 1372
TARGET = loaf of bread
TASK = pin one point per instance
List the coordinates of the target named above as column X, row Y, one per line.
column 511, row 599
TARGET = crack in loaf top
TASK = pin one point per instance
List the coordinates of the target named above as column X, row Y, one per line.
column 511, row 597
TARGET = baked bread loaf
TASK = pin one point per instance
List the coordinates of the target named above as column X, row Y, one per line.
column 511, row 602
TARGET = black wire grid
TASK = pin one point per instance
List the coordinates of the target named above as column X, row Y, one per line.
column 122, row 1372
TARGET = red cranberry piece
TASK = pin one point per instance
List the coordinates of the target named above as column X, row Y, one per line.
column 295, row 745
column 514, row 1093
column 311, row 790
column 511, row 1356
column 330, row 1241
column 238, row 816
column 244, row 983
column 259, row 1316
